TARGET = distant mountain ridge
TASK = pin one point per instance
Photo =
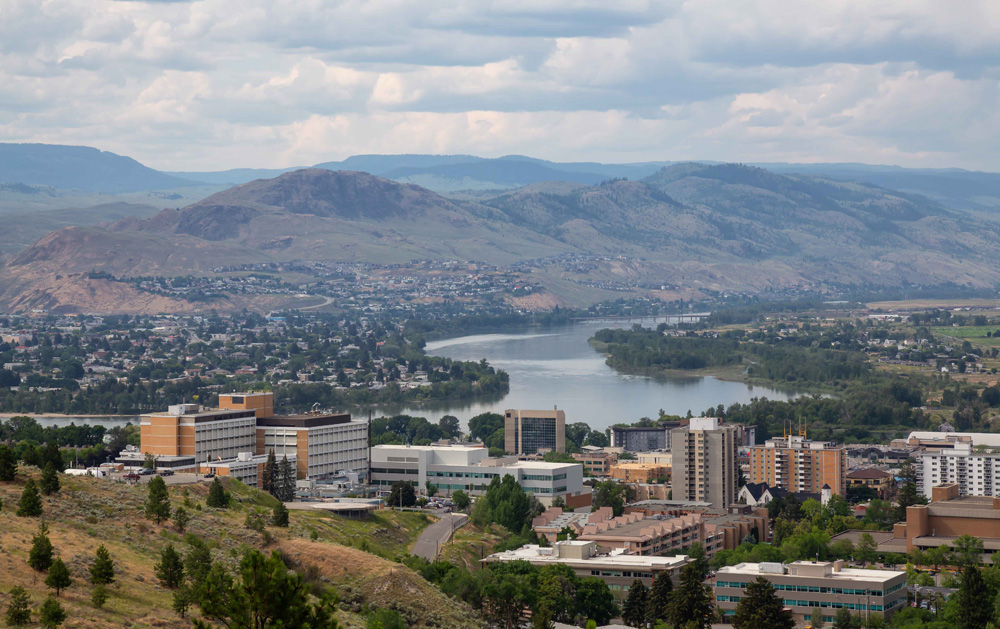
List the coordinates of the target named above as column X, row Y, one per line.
column 81, row 168
column 718, row 227
column 87, row 169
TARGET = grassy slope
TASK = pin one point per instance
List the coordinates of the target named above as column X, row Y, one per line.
column 88, row 512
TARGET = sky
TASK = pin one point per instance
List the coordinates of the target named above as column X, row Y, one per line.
column 218, row 84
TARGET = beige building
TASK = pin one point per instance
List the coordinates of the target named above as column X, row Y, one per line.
column 816, row 588
column 659, row 457
column 205, row 435
column 596, row 463
column 705, row 462
column 616, row 569
column 527, row 432
column 638, row 472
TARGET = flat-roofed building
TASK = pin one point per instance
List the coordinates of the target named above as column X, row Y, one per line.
column 644, row 438
column 617, row 569
column 596, row 463
column 187, row 430
column 816, row 588
column 948, row 516
column 799, row 465
column 527, row 432
column 657, row 457
column 262, row 403
column 245, row 467
column 871, row 478
column 471, row 469
column 975, row 473
column 638, row 472
column 323, row 444
column 705, row 461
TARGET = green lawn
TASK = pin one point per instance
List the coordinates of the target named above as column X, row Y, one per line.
column 972, row 333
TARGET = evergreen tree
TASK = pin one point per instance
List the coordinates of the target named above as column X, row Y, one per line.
column 18, row 612
column 50, row 479
column 634, row 610
column 103, row 570
column 99, row 597
column 974, row 608
column 761, row 608
column 158, row 500
column 842, row 620
column 264, row 593
column 198, row 561
column 690, row 601
column 170, row 569
column 181, row 518
column 908, row 494
column 54, row 456
column 658, row 607
column 40, row 555
column 52, row 613
column 8, row 464
column 30, row 505
column 58, row 578
column 182, row 600
column 268, row 481
column 286, row 478
column 280, row 515
column 217, row 496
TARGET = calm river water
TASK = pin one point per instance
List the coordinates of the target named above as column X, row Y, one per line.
column 559, row 368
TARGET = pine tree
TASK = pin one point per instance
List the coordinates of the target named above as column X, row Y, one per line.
column 8, row 464
column 634, row 610
column 280, row 515
column 30, row 505
column 40, row 555
column 170, row 570
column 287, row 478
column 198, row 561
column 99, row 597
column 103, row 570
column 58, row 578
column 690, row 602
column 181, row 518
column 18, row 612
column 974, row 608
column 658, row 607
column 182, row 600
column 270, row 473
column 49, row 482
column 52, row 613
column 217, row 496
column 157, row 500
column 761, row 608
column 53, row 455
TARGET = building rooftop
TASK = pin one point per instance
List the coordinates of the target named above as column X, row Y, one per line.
column 869, row 472
column 450, row 448
column 824, row 569
column 538, row 555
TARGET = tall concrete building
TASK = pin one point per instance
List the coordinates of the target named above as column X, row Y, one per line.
column 705, row 461
column 526, row 432
column 799, row 465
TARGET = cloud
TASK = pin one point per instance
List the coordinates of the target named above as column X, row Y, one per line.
column 214, row 84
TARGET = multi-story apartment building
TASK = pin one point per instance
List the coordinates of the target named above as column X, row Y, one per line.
column 975, row 473
column 643, row 438
column 527, row 432
column 799, row 465
column 816, row 588
column 596, row 463
column 705, row 462
column 616, row 569
column 472, row 470
column 634, row 533
column 638, row 472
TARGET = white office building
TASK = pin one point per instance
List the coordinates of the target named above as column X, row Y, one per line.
column 470, row 469
column 975, row 473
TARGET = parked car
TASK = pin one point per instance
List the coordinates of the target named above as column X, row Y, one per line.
column 146, row 472
column 166, row 472
column 210, row 475
column 131, row 476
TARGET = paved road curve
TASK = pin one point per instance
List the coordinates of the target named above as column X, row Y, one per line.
column 435, row 535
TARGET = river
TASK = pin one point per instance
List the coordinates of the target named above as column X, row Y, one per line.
column 558, row 368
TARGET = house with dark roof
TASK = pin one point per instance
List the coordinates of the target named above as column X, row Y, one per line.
column 875, row 479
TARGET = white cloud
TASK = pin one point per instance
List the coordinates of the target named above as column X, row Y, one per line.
column 224, row 83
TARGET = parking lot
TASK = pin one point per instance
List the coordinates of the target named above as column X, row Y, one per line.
column 172, row 479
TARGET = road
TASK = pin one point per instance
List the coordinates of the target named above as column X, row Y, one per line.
column 435, row 535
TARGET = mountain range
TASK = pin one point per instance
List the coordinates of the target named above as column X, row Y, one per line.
column 689, row 227
column 88, row 169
